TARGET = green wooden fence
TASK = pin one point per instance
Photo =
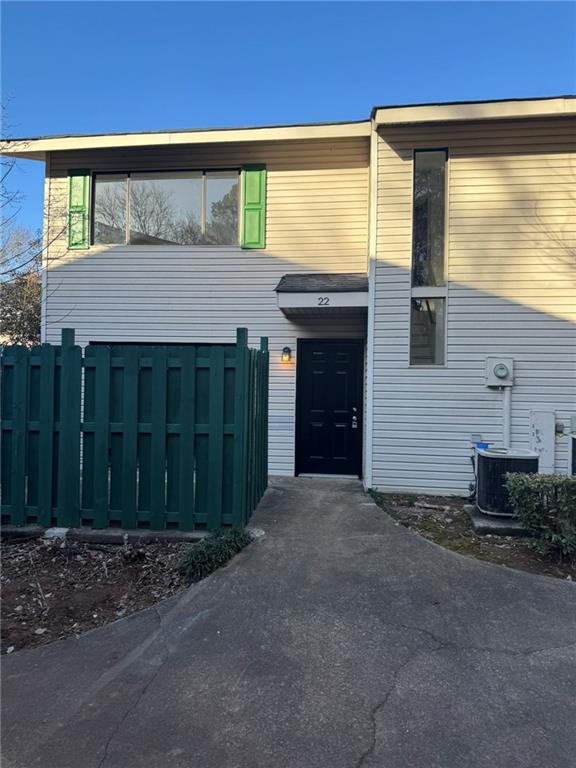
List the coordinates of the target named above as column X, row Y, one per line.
column 134, row 436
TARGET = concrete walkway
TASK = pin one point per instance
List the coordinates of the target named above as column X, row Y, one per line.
column 338, row 640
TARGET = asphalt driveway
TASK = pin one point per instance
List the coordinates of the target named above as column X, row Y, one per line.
column 337, row 640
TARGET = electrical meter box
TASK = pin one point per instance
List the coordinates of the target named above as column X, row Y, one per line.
column 499, row 371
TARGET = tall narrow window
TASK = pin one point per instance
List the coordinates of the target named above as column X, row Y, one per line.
column 429, row 218
column 427, row 332
column 427, row 317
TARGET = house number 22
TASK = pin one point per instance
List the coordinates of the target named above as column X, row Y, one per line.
column 323, row 301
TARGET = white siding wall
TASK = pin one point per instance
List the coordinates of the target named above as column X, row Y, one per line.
column 511, row 256
column 317, row 220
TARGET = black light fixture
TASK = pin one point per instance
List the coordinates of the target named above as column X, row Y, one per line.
column 286, row 355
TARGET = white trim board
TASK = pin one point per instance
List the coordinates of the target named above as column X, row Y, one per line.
column 322, row 299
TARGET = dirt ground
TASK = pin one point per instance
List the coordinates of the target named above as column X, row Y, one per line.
column 444, row 521
column 52, row 590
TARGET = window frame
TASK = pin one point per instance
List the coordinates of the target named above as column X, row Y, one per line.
column 127, row 243
column 431, row 291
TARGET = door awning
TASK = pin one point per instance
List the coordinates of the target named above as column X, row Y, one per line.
column 323, row 293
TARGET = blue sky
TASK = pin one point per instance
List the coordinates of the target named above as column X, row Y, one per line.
column 89, row 67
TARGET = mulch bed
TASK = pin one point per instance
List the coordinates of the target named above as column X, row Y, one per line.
column 443, row 520
column 54, row 589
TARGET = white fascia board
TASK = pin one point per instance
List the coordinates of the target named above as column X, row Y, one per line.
column 498, row 110
column 35, row 148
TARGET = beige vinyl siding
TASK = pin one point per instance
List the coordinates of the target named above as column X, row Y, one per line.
column 317, row 212
column 511, row 266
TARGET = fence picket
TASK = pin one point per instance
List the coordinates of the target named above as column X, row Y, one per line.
column 266, row 368
column 158, row 440
column 130, row 439
column 187, row 437
column 250, row 435
column 101, row 436
column 216, row 437
column 19, row 434
column 46, row 437
column 240, row 395
column 69, row 438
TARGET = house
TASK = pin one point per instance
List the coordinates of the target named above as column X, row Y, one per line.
column 397, row 265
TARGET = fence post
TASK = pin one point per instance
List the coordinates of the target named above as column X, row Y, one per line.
column 69, row 439
column 265, row 358
column 250, row 434
column 240, row 394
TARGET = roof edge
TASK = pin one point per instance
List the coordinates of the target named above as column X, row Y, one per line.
column 431, row 112
column 328, row 282
column 37, row 146
column 495, row 109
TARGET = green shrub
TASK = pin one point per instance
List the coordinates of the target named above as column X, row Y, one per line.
column 546, row 504
column 211, row 553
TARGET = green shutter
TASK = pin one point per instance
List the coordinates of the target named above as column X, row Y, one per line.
column 254, row 206
column 79, row 185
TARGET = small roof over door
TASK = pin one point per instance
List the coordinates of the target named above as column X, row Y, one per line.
column 323, row 293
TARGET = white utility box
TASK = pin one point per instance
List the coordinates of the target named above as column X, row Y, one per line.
column 499, row 371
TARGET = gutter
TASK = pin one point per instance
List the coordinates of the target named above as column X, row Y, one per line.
column 372, row 254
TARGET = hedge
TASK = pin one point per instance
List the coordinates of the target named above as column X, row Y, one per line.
column 201, row 559
column 546, row 504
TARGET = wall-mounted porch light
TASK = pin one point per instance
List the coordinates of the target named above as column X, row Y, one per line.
column 286, row 355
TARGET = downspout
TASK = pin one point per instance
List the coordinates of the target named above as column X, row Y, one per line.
column 45, row 247
column 506, row 416
column 372, row 240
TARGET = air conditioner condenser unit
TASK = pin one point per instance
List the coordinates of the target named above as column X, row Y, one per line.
column 492, row 464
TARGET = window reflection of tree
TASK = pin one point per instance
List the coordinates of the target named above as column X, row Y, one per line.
column 110, row 212
column 155, row 218
column 428, row 267
column 223, row 222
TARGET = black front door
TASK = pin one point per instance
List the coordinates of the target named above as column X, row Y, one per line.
column 329, row 407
